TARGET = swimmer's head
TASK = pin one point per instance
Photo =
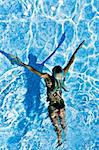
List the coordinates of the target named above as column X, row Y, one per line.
column 57, row 72
column 32, row 59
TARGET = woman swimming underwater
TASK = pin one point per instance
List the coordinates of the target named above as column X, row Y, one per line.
column 55, row 84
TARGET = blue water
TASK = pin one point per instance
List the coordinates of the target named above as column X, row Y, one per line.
column 31, row 30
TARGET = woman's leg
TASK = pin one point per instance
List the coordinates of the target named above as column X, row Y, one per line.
column 54, row 119
column 62, row 119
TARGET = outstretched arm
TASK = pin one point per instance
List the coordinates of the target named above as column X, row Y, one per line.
column 43, row 75
column 72, row 59
column 15, row 60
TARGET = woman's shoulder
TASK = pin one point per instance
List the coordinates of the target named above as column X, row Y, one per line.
column 48, row 76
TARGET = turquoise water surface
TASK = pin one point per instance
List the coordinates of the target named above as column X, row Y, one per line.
column 31, row 30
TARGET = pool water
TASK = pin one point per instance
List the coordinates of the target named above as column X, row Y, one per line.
column 31, row 30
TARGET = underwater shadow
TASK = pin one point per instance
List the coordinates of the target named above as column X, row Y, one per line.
column 32, row 97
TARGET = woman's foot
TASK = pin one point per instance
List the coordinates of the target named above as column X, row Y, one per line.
column 59, row 143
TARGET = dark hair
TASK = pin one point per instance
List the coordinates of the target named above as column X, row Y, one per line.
column 57, row 69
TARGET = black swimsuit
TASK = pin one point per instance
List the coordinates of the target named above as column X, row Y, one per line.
column 54, row 95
